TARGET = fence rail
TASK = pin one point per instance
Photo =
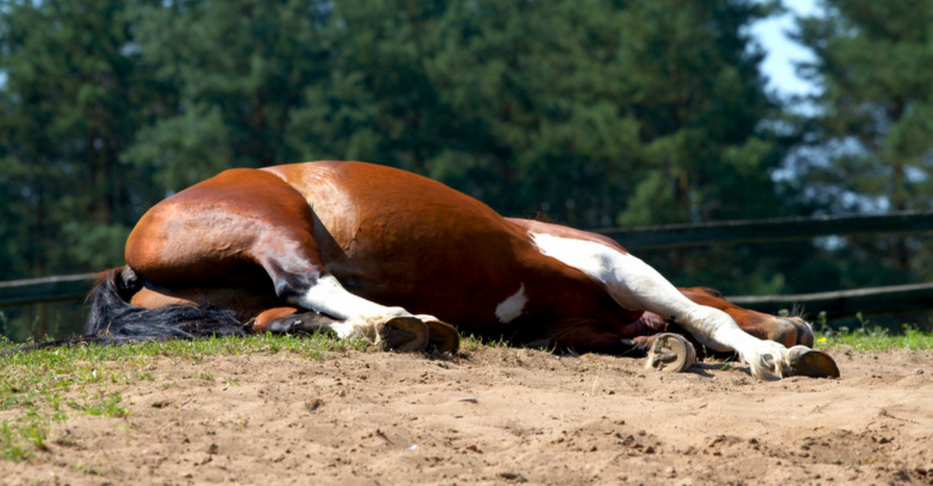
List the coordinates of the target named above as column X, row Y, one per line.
column 846, row 303
column 48, row 289
column 836, row 304
column 773, row 229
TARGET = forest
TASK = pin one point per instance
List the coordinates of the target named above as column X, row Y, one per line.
column 591, row 113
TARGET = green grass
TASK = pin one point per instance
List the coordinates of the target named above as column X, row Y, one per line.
column 865, row 339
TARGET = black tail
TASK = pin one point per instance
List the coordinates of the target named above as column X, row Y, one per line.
column 114, row 320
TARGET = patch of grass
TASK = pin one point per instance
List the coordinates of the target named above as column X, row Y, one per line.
column 41, row 388
column 867, row 337
column 473, row 343
column 203, row 375
column 95, row 470
column 102, row 406
column 14, row 443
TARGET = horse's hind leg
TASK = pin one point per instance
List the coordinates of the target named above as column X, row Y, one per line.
column 245, row 226
column 637, row 286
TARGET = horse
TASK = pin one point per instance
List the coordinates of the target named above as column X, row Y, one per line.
column 408, row 263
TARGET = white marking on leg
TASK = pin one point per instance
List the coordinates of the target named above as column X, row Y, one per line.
column 360, row 316
column 327, row 296
column 513, row 306
column 635, row 285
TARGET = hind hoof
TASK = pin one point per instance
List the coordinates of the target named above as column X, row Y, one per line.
column 671, row 353
column 405, row 334
column 442, row 337
column 804, row 361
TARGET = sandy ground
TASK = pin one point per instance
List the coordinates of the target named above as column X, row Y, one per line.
column 497, row 416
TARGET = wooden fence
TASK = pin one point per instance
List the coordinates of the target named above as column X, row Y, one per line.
column 846, row 303
column 48, row 289
column 879, row 300
column 773, row 229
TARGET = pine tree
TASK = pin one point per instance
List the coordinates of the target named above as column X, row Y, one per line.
column 229, row 75
column 71, row 82
column 592, row 112
column 69, row 85
column 872, row 131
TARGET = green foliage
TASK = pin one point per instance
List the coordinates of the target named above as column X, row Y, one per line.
column 68, row 79
column 871, row 136
column 590, row 113
column 873, row 338
column 229, row 75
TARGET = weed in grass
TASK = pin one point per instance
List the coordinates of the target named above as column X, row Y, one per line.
column 103, row 406
column 472, row 343
column 10, row 443
column 167, row 385
column 95, row 469
column 203, row 375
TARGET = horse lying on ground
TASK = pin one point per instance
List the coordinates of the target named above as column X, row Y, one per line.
column 366, row 250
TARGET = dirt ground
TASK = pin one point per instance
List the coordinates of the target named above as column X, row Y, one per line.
column 498, row 416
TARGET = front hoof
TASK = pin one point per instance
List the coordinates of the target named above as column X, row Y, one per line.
column 671, row 353
column 803, row 361
column 404, row 334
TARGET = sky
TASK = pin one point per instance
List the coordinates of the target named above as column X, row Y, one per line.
column 783, row 52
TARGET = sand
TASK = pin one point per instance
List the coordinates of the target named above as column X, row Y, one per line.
column 495, row 416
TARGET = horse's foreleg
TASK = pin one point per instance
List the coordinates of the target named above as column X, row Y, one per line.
column 285, row 247
column 400, row 334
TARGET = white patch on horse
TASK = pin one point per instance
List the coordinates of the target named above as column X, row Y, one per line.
column 360, row 316
column 513, row 306
column 635, row 285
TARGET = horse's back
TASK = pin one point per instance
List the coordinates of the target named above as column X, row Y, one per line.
column 402, row 239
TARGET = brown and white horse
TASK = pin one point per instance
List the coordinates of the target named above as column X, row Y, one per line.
column 367, row 250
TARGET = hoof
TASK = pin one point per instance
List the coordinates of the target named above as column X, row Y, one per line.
column 671, row 353
column 405, row 334
column 280, row 321
column 804, row 361
column 273, row 320
column 442, row 337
